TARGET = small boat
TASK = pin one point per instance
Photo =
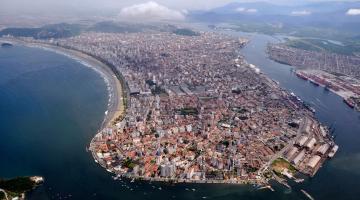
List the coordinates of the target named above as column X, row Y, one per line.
column 333, row 151
column 6, row 44
column 266, row 187
column 307, row 194
column 312, row 109
column 299, row 180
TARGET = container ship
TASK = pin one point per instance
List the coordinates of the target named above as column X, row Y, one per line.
column 327, row 87
column 302, row 76
column 350, row 103
column 314, row 82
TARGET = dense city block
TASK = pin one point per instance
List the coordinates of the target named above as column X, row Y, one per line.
column 196, row 111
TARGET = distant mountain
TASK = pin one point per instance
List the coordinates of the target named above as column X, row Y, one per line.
column 185, row 32
column 64, row 30
column 45, row 32
column 113, row 27
column 123, row 27
column 21, row 32
column 325, row 15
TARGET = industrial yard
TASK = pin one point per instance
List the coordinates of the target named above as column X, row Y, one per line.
column 311, row 149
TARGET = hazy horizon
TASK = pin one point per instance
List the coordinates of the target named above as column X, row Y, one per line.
column 19, row 7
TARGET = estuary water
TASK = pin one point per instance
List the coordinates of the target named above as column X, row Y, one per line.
column 339, row 178
column 51, row 106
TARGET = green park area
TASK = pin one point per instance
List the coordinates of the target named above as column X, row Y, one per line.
column 280, row 165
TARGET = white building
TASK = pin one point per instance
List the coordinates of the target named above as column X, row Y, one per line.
column 314, row 161
column 299, row 157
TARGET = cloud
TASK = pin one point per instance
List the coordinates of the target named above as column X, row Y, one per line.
column 151, row 11
column 353, row 11
column 300, row 12
column 240, row 9
column 184, row 11
column 251, row 10
column 246, row 10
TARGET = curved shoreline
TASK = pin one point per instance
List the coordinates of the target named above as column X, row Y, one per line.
column 115, row 106
column 117, row 111
column 105, row 134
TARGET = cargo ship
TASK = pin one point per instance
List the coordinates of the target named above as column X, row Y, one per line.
column 327, row 88
column 350, row 103
column 309, row 107
column 300, row 75
column 314, row 82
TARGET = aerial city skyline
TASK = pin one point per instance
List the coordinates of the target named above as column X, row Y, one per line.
column 179, row 99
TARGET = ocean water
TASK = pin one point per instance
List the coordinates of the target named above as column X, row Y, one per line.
column 51, row 106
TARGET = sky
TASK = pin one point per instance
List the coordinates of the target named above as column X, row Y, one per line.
column 132, row 9
column 38, row 5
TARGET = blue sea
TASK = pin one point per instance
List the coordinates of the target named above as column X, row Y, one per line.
column 51, row 106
